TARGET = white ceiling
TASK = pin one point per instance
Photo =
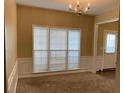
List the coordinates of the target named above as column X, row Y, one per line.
column 97, row 6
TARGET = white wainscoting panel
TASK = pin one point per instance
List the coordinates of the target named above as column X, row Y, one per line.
column 23, row 68
column 99, row 63
column 13, row 79
column 26, row 67
column 86, row 63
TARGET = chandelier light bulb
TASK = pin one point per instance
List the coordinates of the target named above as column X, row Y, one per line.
column 86, row 9
column 70, row 6
column 88, row 4
column 75, row 9
column 77, row 2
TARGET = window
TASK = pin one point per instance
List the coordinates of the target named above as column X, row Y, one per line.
column 55, row 49
column 110, row 43
column 73, row 49
column 40, row 48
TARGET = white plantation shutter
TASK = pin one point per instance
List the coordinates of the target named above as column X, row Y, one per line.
column 58, row 42
column 55, row 49
column 74, row 40
column 57, row 60
column 73, row 60
column 73, row 49
column 40, row 61
column 58, row 39
column 40, row 39
column 40, row 47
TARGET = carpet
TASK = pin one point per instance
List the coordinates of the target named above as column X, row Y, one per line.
column 66, row 83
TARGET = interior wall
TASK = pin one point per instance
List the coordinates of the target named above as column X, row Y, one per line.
column 114, row 26
column 10, row 35
column 26, row 16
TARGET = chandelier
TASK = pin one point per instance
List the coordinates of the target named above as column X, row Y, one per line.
column 78, row 9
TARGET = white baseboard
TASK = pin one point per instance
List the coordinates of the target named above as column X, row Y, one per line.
column 13, row 79
column 25, row 67
column 51, row 73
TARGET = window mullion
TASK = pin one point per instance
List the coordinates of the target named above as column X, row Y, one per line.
column 48, row 67
column 67, row 52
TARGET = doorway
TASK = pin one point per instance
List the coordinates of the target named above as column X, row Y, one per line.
column 105, row 45
column 110, row 49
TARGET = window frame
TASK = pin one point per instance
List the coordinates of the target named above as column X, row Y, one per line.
column 49, row 50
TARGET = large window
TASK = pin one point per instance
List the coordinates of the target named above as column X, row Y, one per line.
column 55, row 49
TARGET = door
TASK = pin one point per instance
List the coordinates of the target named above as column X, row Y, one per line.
column 110, row 49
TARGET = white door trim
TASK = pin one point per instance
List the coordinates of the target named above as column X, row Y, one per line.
column 94, row 68
column 96, row 38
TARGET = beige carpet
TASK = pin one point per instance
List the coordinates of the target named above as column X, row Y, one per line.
column 68, row 83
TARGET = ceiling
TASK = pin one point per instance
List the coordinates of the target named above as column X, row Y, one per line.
column 97, row 6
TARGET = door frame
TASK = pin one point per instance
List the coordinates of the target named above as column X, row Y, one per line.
column 94, row 68
column 104, row 44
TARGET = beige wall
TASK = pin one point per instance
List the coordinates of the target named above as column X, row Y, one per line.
column 27, row 16
column 10, row 35
column 114, row 26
